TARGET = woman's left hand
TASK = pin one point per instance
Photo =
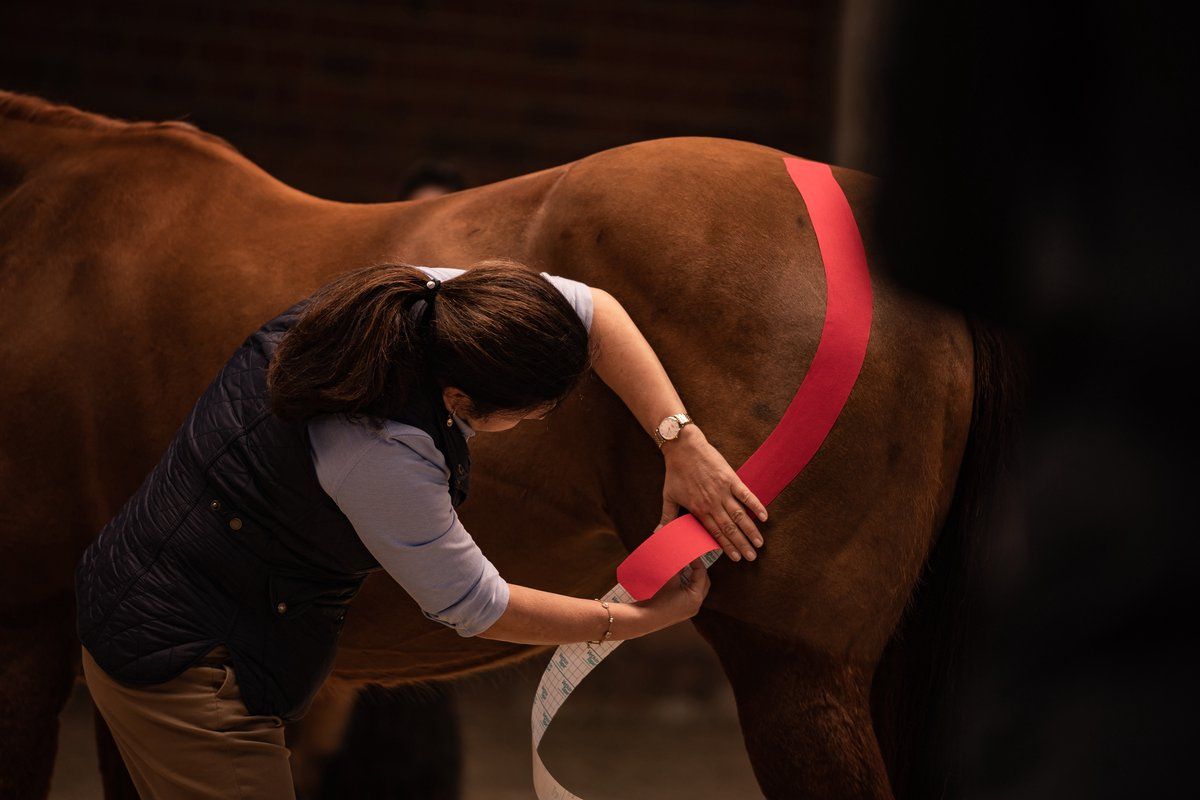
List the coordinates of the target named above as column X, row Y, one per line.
column 701, row 480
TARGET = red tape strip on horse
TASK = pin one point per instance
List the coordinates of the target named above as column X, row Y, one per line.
column 817, row 403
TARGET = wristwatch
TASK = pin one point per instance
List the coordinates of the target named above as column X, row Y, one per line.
column 669, row 428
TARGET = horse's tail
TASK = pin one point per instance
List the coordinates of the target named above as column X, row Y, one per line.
column 913, row 694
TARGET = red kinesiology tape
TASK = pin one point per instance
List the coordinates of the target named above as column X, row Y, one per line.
column 817, row 403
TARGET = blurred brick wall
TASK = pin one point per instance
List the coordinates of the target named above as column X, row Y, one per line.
column 338, row 98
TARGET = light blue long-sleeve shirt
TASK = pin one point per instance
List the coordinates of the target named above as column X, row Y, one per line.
column 392, row 483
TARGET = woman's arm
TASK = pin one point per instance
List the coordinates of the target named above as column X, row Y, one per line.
column 698, row 477
column 536, row 617
column 629, row 366
column 393, row 490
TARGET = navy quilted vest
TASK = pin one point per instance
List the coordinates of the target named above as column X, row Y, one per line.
column 231, row 539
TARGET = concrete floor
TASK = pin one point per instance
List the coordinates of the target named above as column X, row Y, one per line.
column 656, row 720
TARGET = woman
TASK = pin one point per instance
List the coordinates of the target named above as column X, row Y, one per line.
column 334, row 443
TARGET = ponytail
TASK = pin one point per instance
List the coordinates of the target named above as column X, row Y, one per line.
column 355, row 343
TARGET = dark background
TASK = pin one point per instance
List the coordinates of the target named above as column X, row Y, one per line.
column 337, row 99
column 1040, row 170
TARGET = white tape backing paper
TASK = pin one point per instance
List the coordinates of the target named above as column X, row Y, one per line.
column 569, row 665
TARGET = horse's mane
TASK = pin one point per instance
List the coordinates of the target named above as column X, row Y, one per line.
column 27, row 108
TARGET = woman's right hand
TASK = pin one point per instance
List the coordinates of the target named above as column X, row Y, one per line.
column 679, row 598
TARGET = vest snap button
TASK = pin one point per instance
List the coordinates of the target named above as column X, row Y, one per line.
column 215, row 505
column 235, row 523
column 281, row 608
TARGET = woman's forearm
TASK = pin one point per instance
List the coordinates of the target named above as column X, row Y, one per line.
column 629, row 366
column 537, row 617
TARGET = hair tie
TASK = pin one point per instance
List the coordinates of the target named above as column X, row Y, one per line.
column 431, row 289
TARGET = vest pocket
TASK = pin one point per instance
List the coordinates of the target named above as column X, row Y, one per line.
column 294, row 595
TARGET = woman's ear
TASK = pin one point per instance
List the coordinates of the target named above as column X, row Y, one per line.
column 456, row 400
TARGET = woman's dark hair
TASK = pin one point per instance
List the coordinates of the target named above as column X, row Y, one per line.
column 500, row 332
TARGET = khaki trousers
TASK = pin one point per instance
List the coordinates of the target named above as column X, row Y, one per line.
column 192, row 738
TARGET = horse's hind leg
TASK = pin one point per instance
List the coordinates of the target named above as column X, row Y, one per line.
column 805, row 718
column 37, row 670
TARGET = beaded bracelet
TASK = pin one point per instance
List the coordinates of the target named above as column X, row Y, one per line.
column 607, row 633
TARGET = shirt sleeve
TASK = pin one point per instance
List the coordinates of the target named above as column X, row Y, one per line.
column 578, row 294
column 397, row 499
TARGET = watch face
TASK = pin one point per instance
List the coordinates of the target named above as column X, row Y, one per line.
column 668, row 428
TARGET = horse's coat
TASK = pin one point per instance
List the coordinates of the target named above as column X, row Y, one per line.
column 112, row 235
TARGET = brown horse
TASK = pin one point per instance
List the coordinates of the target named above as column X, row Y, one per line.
column 134, row 258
